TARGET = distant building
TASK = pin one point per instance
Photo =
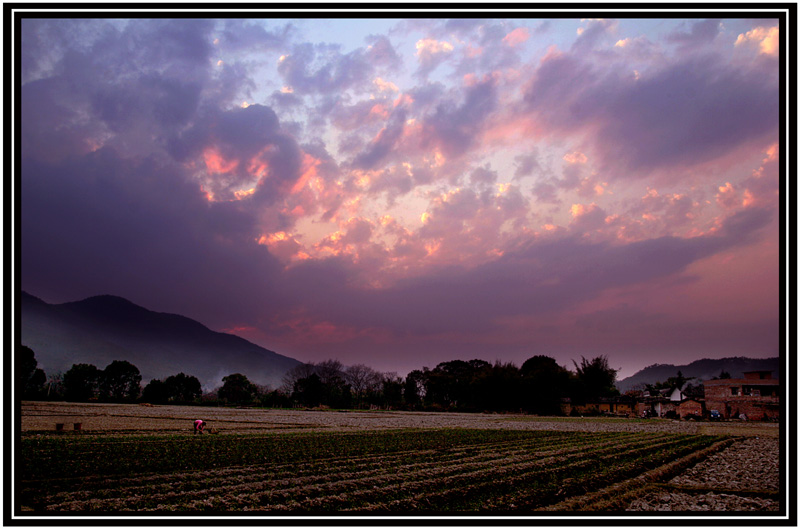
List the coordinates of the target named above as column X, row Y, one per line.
column 756, row 396
column 690, row 408
column 620, row 406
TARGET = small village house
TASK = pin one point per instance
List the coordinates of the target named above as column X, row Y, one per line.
column 690, row 408
column 755, row 397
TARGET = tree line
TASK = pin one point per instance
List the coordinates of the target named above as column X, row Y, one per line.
column 538, row 386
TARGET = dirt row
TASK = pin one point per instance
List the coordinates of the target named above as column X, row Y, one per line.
column 743, row 477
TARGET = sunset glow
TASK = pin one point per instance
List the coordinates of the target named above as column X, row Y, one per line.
column 404, row 192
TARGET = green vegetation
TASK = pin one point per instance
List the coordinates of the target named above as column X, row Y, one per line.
column 397, row 471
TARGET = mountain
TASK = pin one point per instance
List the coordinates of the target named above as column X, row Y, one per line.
column 101, row 329
column 704, row 369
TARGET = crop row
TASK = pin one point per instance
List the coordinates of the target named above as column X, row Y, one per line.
column 46, row 458
column 185, row 481
column 334, row 477
column 377, row 471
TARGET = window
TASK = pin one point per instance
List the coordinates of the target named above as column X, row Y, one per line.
column 735, row 391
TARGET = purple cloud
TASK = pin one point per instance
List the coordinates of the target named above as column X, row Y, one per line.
column 700, row 33
column 242, row 174
column 323, row 69
column 686, row 113
column 455, row 127
column 383, row 144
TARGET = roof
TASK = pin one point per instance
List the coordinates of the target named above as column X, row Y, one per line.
column 742, row 382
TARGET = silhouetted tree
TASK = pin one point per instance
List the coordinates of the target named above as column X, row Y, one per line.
column 496, row 387
column 183, row 388
column 309, row 391
column 32, row 379
column 338, row 394
column 156, row 392
column 595, row 379
column 362, row 379
column 120, row 382
column 392, row 390
column 274, row 399
column 82, row 382
column 330, row 371
column 294, row 374
column 545, row 383
column 450, row 384
column 236, row 389
column 414, row 388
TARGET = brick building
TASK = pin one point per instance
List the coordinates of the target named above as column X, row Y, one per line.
column 756, row 396
column 691, row 408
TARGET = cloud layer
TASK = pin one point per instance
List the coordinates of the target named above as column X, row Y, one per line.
column 438, row 190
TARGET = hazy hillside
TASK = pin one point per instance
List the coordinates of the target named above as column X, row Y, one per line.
column 704, row 369
column 102, row 329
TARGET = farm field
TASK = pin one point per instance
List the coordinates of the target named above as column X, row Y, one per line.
column 130, row 419
column 129, row 458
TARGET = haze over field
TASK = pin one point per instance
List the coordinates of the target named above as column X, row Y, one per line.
column 401, row 193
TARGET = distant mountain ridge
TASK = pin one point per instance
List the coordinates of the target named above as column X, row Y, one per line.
column 704, row 369
column 101, row 329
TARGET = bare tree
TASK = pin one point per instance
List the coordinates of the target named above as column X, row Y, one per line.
column 295, row 374
column 362, row 379
column 329, row 371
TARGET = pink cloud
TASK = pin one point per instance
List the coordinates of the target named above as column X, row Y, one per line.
column 516, row 37
column 728, row 197
column 765, row 39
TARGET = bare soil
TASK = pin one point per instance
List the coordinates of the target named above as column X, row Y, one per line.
column 97, row 418
column 742, row 477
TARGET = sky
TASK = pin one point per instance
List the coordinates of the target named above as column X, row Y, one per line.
column 404, row 192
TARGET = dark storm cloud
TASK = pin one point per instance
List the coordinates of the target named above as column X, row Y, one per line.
column 686, row 113
column 170, row 103
column 146, row 233
column 53, row 129
column 117, row 81
column 690, row 113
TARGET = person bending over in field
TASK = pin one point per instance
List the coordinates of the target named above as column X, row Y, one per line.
column 199, row 425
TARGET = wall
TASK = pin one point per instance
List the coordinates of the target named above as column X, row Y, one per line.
column 756, row 399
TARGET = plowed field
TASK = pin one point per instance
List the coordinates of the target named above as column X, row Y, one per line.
column 332, row 463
